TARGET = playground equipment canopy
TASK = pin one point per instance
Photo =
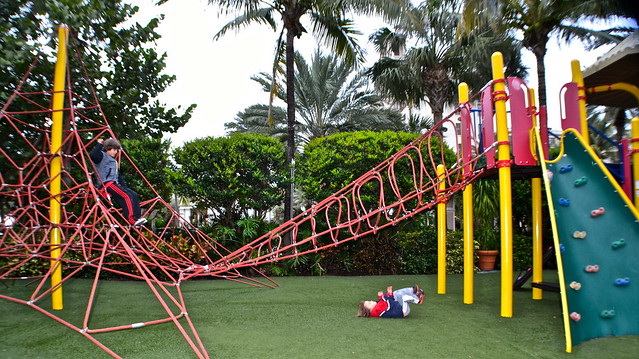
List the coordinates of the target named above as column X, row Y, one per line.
column 620, row 64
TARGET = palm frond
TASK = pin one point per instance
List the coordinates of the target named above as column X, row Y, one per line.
column 252, row 16
column 228, row 6
column 388, row 42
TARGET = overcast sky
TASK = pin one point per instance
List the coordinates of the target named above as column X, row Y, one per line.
column 215, row 75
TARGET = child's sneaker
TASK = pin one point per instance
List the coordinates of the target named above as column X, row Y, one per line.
column 139, row 222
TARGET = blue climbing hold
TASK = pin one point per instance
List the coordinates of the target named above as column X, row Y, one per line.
column 566, row 168
column 622, row 282
column 561, row 248
column 564, row 202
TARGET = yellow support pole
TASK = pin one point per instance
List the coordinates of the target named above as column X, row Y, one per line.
column 505, row 195
column 469, row 248
column 441, row 234
column 553, row 225
column 537, row 242
column 57, row 118
column 578, row 78
column 537, row 273
column 635, row 158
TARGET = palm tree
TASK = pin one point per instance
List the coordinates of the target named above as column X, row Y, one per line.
column 430, row 70
column 330, row 98
column 537, row 21
column 329, row 23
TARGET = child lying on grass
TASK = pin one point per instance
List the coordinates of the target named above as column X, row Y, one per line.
column 392, row 304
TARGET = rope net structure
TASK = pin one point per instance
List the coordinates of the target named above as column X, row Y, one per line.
column 97, row 238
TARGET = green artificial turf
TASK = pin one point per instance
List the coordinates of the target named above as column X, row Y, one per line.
column 306, row 317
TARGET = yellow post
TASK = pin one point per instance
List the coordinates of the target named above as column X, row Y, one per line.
column 537, row 265
column 441, row 234
column 537, row 273
column 505, row 195
column 578, row 78
column 467, row 196
column 635, row 158
column 57, row 118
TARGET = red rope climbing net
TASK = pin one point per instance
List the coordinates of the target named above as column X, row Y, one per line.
column 97, row 238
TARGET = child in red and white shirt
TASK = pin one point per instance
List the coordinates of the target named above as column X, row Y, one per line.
column 392, row 304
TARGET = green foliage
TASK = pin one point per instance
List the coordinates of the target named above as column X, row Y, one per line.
column 538, row 21
column 151, row 158
column 329, row 23
column 522, row 252
column 309, row 264
column 419, row 250
column 33, row 267
column 125, row 69
column 485, row 213
column 378, row 254
column 330, row 163
column 330, row 97
column 455, row 252
column 439, row 59
column 232, row 175
column 185, row 245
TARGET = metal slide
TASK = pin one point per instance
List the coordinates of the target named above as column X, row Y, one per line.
column 596, row 234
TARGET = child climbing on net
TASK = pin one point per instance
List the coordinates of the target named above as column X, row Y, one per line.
column 110, row 178
column 392, row 304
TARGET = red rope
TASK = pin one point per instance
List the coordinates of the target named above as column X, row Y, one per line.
column 95, row 235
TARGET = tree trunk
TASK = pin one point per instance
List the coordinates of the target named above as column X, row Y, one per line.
column 620, row 124
column 290, row 116
column 539, row 49
column 436, row 90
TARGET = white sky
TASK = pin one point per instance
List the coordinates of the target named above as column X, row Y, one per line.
column 215, row 75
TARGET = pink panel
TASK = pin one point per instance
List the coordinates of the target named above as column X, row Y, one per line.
column 569, row 106
column 521, row 122
column 488, row 127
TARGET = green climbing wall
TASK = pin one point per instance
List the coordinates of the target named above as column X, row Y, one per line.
column 598, row 237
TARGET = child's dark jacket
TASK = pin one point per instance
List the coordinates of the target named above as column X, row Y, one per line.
column 387, row 307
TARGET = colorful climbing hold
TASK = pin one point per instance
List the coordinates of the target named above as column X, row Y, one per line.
column 575, row 285
column 622, row 282
column 564, row 202
column 579, row 234
column 580, row 182
column 550, row 174
column 618, row 244
column 575, row 316
column 597, row 212
column 592, row 268
column 608, row 314
column 566, row 168
column 562, row 248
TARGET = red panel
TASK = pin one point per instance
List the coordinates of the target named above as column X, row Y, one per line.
column 487, row 125
column 569, row 106
column 521, row 122
column 466, row 137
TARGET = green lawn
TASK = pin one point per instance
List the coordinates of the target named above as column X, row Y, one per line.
column 307, row 317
